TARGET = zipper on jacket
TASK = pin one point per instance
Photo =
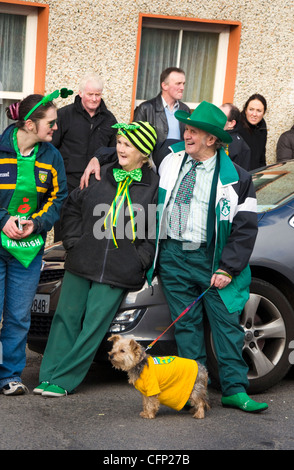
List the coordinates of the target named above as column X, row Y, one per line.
column 104, row 260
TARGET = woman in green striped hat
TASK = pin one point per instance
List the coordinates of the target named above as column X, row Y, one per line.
column 106, row 231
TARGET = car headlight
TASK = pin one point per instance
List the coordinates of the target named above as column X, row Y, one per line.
column 125, row 319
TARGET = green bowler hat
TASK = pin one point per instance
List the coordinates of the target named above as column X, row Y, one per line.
column 207, row 117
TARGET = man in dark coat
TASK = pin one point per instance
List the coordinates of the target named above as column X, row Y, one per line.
column 159, row 111
column 285, row 145
column 83, row 127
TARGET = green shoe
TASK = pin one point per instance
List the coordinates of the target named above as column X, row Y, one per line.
column 54, row 391
column 244, row 403
column 41, row 387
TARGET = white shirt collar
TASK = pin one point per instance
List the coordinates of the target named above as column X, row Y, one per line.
column 207, row 164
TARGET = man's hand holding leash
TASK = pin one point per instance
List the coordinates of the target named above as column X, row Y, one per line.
column 221, row 279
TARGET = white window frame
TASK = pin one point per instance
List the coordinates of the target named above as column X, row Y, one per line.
column 31, row 14
column 223, row 44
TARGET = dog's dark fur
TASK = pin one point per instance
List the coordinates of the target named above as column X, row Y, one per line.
column 129, row 356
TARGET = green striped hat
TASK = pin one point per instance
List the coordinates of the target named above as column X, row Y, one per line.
column 142, row 135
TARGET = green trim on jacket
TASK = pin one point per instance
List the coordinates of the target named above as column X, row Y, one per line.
column 236, row 294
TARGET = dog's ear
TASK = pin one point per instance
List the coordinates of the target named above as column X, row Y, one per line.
column 135, row 347
column 114, row 338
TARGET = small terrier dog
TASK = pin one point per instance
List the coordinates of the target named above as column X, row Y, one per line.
column 143, row 371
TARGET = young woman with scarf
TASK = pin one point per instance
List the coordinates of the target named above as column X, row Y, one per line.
column 33, row 187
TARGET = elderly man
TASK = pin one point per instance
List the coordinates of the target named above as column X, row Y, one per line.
column 83, row 127
column 208, row 226
column 160, row 111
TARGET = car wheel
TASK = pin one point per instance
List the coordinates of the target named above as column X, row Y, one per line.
column 268, row 322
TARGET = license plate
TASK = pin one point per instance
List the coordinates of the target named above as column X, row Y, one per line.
column 41, row 303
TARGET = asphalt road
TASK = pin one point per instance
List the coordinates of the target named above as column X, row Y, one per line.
column 103, row 415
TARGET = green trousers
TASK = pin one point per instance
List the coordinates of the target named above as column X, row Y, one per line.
column 82, row 318
column 185, row 274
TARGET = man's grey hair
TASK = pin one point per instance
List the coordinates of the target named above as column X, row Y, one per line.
column 93, row 78
column 218, row 144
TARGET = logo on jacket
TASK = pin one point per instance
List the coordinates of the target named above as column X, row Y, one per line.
column 225, row 210
column 43, row 176
column 163, row 359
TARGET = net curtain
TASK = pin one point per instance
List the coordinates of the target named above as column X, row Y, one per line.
column 12, row 47
column 197, row 57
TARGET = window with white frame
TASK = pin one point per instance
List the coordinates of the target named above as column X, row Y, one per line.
column 18, row 33
column 200, row 49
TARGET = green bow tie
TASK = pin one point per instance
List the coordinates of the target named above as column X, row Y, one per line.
column 121, row 175
column 124, row 178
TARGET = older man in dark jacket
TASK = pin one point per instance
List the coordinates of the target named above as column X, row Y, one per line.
column 83, row 127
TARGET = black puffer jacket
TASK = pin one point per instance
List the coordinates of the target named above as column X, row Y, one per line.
column 79, row 136
column 239, row 150
column 255, row 137
column 153, row 112
column 91, row 252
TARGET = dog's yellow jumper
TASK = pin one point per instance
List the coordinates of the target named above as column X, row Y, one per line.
column 170, row 377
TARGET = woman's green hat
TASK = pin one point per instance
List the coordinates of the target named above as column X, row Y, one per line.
column 207, row 117
column 142, row 135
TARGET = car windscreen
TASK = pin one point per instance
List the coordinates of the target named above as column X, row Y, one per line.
column 274, row 185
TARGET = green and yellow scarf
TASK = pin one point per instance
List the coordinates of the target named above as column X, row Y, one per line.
column 124, row 180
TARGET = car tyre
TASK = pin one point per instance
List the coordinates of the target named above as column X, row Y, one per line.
column 268, row 322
